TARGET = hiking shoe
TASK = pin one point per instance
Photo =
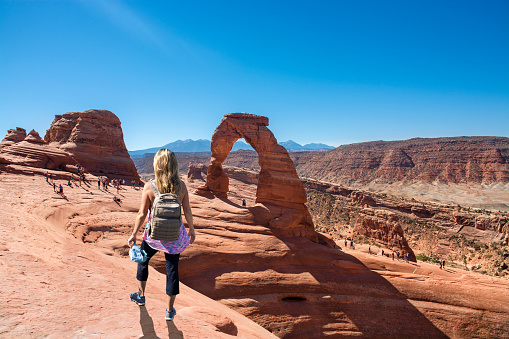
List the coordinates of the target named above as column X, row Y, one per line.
column 140, row 301
column 169, row 315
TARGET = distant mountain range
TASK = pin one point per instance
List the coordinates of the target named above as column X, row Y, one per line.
column 203, row 145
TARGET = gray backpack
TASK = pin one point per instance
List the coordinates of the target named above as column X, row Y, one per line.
column 166, row 215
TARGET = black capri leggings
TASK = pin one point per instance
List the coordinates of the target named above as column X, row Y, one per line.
column 172, row 269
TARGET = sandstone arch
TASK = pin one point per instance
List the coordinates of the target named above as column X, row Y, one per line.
column 280, row 195
column 278, row 180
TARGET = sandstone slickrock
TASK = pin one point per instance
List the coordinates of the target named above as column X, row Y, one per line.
column 95, row 139
column 280, row 196
column 54, row 251
column 383, row 226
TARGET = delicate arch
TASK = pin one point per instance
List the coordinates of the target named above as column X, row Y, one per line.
column 278, row 179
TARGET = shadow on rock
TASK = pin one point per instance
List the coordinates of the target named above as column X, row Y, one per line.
column 147, row 324
column 173, row 331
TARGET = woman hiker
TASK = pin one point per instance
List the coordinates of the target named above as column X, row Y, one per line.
column 167, row 180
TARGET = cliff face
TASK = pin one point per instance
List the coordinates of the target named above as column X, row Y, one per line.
column 95, row 139
column 383, row 226
column 455, row 160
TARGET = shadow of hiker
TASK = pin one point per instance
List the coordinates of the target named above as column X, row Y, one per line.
column 352, row 293
column 231, row 203
column 147, row 324
column 173, row 331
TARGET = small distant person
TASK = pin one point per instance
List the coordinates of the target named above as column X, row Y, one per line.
column 440, row 263
column 407, row 257
column 397, row 253
column 46, row 175
column 382, row 253
column 346, row 243
column 99, row 183
column 392, row 255
column 69, row 183
column 60, row 189
column 54, row 187
column 443, row 263
column 244, row 202
column 351, row 244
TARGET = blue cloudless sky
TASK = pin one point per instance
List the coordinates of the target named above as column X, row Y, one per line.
column 335, row 72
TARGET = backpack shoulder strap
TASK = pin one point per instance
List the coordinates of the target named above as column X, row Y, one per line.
column 154, row 188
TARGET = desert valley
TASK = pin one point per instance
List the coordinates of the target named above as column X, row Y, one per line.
column 330, row 244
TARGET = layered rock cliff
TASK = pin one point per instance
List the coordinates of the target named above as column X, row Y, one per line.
column 33, row 151
column 383, row 226
column 95, row 139
column 455, row 160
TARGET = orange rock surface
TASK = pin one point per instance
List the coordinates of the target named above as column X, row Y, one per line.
column 65, row 274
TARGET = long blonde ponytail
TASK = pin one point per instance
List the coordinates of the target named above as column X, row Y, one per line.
column 166, row 169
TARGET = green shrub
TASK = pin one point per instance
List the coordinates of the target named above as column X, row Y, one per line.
column 422, row 257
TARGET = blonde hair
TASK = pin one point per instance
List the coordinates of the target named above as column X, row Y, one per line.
column 166, row 169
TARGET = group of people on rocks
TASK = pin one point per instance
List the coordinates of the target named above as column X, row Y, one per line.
column 57, row 189
column 394, row 255
column 101, row 181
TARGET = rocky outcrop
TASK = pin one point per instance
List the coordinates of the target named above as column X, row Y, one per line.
column 33, row 151
column 280, row 196
column 35, row 138
column 13, row 136
column 455, row 160
column 95, row 139
column 383, row 226
column 196, row 172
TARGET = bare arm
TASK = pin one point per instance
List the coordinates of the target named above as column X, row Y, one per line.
column 142, row 214
column 187, row 212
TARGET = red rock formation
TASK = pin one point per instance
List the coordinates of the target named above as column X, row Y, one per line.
column 362, row 199
column 383, row 226
column 459, row 159
column 13, row 136
column 280, row 196
column 35, row 138
column 95, row 139
column 196, row 172
column 33, row 151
